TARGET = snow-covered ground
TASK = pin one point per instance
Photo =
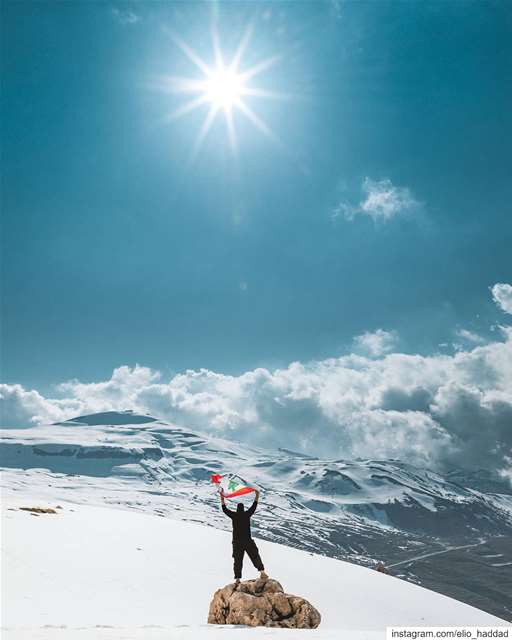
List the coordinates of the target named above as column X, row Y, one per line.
column 91, row 572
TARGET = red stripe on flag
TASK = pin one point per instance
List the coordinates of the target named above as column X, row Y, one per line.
column 240, row 492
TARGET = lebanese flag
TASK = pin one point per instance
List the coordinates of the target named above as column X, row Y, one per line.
column 231, row 486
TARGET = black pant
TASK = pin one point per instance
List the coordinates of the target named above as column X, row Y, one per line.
column 239, row 548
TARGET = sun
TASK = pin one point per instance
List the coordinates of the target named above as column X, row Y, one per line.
column 222, row 87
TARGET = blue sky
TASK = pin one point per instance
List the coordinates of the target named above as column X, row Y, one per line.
column 386, row 204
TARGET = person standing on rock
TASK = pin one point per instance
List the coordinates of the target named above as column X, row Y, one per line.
column 242, row 540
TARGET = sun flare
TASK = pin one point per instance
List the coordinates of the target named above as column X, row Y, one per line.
column 221, row 87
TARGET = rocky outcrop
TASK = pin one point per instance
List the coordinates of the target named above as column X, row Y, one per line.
column 38, row 510
column 261, row 603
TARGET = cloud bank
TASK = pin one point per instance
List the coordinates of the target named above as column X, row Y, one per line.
column 438, row 411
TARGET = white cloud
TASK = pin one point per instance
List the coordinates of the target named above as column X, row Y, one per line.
column 381, row 200
column 376, row 343
column 470, row 336
column 439, row 410
column 466, row 337
column 506, row 472
column 436, row 410
column 502, row 296
column 125, row 16
column 20, row 407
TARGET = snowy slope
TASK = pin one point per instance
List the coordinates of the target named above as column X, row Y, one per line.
column 371, row 497
column 359, row 510
column 69, row 574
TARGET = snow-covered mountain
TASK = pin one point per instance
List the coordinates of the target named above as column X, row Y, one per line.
column 364, row 511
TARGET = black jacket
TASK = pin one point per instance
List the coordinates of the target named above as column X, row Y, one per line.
column 241, row 522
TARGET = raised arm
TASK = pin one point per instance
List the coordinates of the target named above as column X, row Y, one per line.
column 224, row 508
column 252, row 508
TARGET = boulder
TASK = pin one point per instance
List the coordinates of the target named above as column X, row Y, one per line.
column 261, row 603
